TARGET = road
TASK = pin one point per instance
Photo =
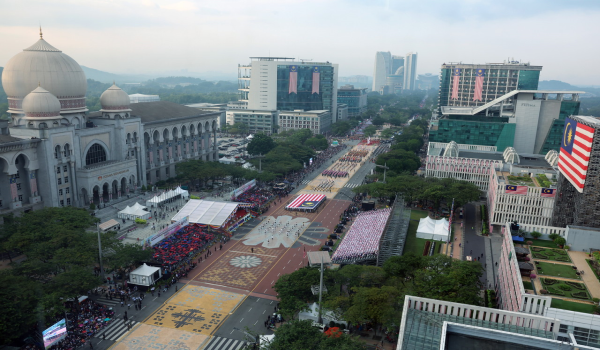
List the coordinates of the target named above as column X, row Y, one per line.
column 474, row 244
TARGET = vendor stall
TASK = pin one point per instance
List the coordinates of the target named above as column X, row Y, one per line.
column 145, row 275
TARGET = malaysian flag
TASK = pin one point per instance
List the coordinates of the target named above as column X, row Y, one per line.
column 548, row 192
column 478, row 84
column 575, row 152
column 13, row 188
column 316, row 80
column 33, row 183
column 170, row 151
column 455, row 80
column 293, row 80
column 510, row 189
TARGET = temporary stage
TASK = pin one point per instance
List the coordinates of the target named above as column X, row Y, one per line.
column 214, row 214
column 306, row 202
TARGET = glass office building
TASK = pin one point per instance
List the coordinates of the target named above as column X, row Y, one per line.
column 356, row 99
column 305, row 99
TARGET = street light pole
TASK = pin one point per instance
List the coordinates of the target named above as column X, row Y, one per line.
column 321, row 291
column 385, row 167
column 100, row 252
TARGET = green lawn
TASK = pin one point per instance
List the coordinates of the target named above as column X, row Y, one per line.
column 528, row 285
column 589, row 261
column 573, row 306
column 550, row 269
column 414, row 244
column 556, row 287
column 542, row 243
column 550, row 254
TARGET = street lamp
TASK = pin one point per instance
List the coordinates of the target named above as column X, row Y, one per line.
column 100, row 252
column 385, row 167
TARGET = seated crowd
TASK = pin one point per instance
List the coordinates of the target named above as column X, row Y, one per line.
column 257, row 196
column 179, row 247
column 85, row 320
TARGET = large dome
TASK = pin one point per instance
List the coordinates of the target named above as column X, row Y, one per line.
column 41, row 104
column 115, row 100
column 42, row 64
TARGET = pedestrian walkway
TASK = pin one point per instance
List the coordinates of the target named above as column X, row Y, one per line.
column 591, row 282
column 218, row 343
column 108, row 302
column 455, row 249
column 116, row 329
column 351, row 185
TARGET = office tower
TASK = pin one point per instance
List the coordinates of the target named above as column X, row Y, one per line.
column 578, row 190
column 383, row 67
column 471, row 85
column 410, row 71
column 397, row 63
column 354, row 98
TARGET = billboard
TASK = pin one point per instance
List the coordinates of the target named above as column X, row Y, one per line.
column 55, row 333
column 168, row 231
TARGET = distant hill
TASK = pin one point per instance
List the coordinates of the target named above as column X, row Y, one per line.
column 556, row 85
column 105, row 77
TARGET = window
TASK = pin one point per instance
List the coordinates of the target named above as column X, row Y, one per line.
column 20, row 198
column 62, row 203
column 17, row 175
column 60, row 192
column 95, row 154
column 65, row 168
column 68, row 201
column 67, row 190
column 66, row 179
column 58, row 170
column 18, row 186
column 59, row 181
column 56, row 152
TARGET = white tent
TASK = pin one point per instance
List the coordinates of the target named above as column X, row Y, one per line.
column 182, row 192
column 134, row 212
column 313, row 314
column 154, row 202
column 433, row 229
column 145, row 275
column 206, row 212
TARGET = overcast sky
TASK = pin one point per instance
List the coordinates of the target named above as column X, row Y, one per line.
column 150, row 36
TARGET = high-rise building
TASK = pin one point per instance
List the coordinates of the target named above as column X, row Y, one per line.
column 578, row 189
column 410, row 71
column 280, row 83
column 397, row 63
column 531, row 121
column 472, row 85
column 356, row 99
column 383, row 67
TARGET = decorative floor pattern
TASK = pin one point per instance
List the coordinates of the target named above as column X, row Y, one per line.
column 206, row 298
column 241, row 267
column 275, row 232
column 146, row 337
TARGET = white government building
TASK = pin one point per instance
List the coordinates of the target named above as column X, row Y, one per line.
column 54, row 153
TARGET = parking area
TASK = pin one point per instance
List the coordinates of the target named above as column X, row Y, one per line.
column 232, row 147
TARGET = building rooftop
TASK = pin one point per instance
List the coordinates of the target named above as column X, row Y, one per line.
column 9, row 139
column 161, row 110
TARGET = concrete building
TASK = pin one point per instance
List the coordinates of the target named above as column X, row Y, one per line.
column 258, row 120
column 383, row 67
column 280, row 83
column 136, row 98
column 355, row 99
column 410, row 71
column 530, row 121
column 213, row 107
column 342, row 111
column 427, row 81
column 579, row 205
column 55, row 154
column 317, row 121
column 498, row 79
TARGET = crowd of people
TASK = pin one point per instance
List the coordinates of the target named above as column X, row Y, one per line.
column 85, row 319
column 325, row 186
column 182, row 245
column 256, row 195
column 318, row 160
column 362, row 240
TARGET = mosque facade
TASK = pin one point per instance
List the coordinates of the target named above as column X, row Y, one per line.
column 53, row 152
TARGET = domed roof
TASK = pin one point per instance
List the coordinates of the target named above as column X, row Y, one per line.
column 44, row 64
column 114, row 99
column 41, row 104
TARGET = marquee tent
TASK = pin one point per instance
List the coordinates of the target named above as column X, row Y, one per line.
column 182, row 192
column 433, row 229
column 145, row 275
column 154, row 202
column 134, row 212
column 204, row 212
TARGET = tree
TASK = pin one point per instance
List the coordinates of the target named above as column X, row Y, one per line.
column 372, row 304
column 341, row 128
column 301, row 335
column 553, row 236
column 560, row 241
column 370, row 130
column 536, row 234
column 18, row 301
column 378, row 121
column 294, row 291
column 260, row 144
column 403, row 267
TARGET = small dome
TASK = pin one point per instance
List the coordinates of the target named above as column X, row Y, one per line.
column 41, row 104
column 114, row 99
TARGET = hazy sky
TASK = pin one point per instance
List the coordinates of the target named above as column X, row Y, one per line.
column 149, row 36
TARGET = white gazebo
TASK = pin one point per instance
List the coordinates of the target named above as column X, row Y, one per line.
column 145, row 275
column 437, row 230
column 134, row 212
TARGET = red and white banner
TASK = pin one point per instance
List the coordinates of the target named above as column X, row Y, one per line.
column 307, row 201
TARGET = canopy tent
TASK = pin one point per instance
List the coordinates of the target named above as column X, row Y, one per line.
column 433, row 229
column 136, row 211
column 204, row 212
column 313, row 314
column 108, row 225
column 145, row 275
column 182, row 192
column 165, row 196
